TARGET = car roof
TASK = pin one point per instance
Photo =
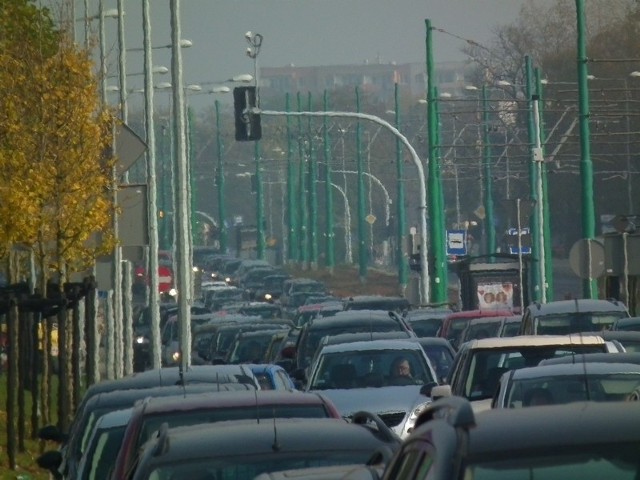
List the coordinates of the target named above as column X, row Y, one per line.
column 365, row 336
column 361, row 316
column 551, row 427
column 479, row 313
column 116, row 418
column 591, row 368
column 534, row 340
column 619, row 334
column 497, row 319
column 174, row 375
column 214, row 400
column 576, row 305
column 435, row 341
column 400, row 344
column 233, row 438
column 619, row 357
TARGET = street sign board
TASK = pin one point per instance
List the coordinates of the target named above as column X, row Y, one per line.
column 586, row 258
column 525, row 241
column 128, row 147
column 456, row 242
column 371, row 218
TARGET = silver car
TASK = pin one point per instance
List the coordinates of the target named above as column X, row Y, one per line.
column 391, row 378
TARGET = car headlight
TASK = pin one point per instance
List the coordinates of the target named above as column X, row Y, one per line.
column 175, row 356
column 173, row 292
column 268, row 296
column 140, row 339
column 227, row 279
column 415, row 413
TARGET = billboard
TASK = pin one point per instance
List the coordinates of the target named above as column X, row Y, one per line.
column 495, row 295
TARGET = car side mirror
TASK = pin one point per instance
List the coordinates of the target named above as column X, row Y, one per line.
column 440, row 391
column 51, row 461
column 52, row 433
column 427, row 388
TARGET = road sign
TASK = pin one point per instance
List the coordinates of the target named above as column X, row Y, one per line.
column 129, row 147
column 456, row 242
column 525, row 241
column 371, row 218
column 586, row 258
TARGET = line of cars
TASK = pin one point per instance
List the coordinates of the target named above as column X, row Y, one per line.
column 369, row 360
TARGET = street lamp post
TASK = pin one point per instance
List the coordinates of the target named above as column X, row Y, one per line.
column 255, row 43
column 182, row 214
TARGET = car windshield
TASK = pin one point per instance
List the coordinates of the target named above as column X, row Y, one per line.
column 487, row 366
column 482, row 330
column 510, row 329
column 571, row 388
column 426, row 327
column 369, row 368
column 106, row 448
column 619, row 461
column 245, row 466
column 564, row 324
column 316, row 334
column 440, row 357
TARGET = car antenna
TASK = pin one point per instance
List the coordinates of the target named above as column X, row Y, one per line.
column 255, row 396
column 275, row 446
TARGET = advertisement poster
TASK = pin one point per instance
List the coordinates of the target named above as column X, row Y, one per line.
column 495, row 296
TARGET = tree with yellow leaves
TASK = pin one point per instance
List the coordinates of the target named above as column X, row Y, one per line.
column 55, row 175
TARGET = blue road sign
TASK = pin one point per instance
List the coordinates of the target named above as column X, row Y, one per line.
column 456, row 242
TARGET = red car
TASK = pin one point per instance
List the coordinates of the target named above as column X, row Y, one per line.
column 147, row 416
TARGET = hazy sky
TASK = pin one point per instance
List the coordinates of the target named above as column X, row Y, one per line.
column 304, row 32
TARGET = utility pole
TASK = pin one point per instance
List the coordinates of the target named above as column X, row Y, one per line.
column 154, row 283
column 222, row 214
column 488, row 180
column 313, row 191
column 255, row 43
column 291, row 191
column 302, row 181
column 589, row 289
column 330, row 241
column 439, row 278
column 362, row 244
column 181, row 214
column 401, row 221
column 546, row 213
column 534, row 166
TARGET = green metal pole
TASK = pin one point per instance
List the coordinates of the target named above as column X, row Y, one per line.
column 291, row 186
column 546, row 218
column 222, row 215
column 488, row 183
column 362, row 231
column 401, row 247
column 192, row 181
column 589, row 289
column 259, row 203
column 330, row 252
column 439, row 279
column 536, row 291
column 313, row 190
column 304, row 214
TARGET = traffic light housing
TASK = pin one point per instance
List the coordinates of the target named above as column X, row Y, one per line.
column 248, row 127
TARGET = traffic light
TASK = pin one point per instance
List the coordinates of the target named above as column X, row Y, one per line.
column 247, row 124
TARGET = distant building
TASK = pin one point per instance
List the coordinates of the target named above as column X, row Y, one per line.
column 375, row 78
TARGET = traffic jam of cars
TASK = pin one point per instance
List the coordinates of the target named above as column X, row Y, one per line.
column 289, row 381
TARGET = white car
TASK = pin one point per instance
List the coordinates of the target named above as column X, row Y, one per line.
column 358, row 376
column 479, row 364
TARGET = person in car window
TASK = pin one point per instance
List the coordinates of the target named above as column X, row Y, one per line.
column 536, row 397
column 401, row 372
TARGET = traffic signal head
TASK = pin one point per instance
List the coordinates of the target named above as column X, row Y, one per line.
column 247, row 123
